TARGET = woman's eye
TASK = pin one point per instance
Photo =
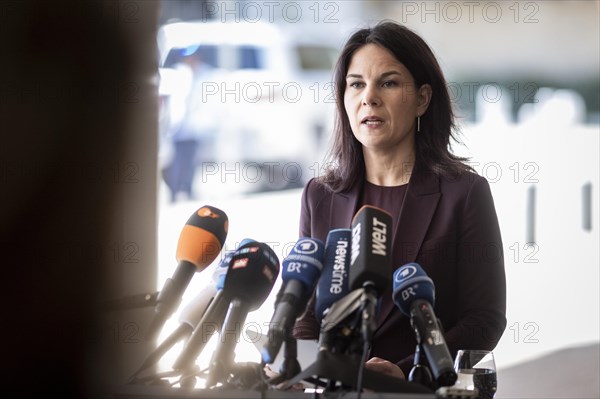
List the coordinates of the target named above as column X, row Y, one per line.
column 356, row 85
column 389, row 83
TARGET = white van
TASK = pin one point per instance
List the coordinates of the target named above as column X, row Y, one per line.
column 265, row 109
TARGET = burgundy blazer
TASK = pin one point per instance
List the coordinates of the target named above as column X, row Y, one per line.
column 449, row 226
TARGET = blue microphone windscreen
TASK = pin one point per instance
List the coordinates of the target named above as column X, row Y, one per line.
column 333, row 284
column 221, row 270
column 412, row 283
column 304, row 262
column 246, row 241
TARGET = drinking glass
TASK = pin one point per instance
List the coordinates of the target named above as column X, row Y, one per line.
column 476, row 369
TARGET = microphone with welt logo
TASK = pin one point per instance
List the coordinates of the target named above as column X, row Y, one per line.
column 371, row 260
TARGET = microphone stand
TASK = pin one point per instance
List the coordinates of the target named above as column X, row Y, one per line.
column 368, row 311
column 290, row 366
column 342, row 364
column 135, row 301
column 344, row 368
column 181, row 333
column 420, row 372
column 368, row 302
column 224, row 356
column 213, row 318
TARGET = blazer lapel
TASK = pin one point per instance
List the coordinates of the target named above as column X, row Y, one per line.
column 344, row 206
column 418, row 208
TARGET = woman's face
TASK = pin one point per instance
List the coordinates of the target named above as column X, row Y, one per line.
column 382, row 101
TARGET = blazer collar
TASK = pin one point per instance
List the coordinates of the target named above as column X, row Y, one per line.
column 345, row 205
column 422, row 183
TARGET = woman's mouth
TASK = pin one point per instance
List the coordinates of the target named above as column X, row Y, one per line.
column 372, row 121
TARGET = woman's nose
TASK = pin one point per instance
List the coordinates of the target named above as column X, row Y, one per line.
column 370, row 97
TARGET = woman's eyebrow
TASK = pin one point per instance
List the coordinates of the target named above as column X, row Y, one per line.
column 383, row 75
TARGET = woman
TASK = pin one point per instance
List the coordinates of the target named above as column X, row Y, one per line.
column 394, row 122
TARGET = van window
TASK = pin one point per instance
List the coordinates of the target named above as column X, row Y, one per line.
column 250, row 57
column 208, row 55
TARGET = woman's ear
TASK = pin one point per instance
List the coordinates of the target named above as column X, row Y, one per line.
column 423, row 98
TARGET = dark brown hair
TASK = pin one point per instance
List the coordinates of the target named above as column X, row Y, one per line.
column 437, row 123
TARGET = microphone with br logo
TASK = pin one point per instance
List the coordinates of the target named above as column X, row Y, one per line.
column 414, row 295
column 300, row 271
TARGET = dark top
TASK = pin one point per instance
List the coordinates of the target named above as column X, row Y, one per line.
column 389, row 199
column 446, row 224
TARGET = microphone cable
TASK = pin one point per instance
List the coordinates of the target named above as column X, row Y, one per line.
column 361, row 368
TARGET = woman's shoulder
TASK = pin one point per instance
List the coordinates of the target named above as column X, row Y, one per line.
column 470, row 189
column 315, row 190
column 464, row 178
column 464, row 185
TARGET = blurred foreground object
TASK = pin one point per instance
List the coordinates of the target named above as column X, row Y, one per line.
column 78, row 164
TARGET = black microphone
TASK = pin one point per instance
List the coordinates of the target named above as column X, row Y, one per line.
column 371, row 260
column 192, row 314
column 252, row 273
column 205, row 321
column 414, row 295
column 200, row 242
column 300, row 271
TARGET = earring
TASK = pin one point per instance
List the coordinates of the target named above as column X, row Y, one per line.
column 418, row 123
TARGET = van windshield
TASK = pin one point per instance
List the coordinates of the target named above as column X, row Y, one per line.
column 224, row 57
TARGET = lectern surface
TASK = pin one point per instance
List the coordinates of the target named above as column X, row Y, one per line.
column 156, row 392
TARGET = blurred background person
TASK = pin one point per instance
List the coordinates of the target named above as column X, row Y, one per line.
column 186, row 137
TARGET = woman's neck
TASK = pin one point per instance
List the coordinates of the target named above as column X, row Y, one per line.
column 388, row 169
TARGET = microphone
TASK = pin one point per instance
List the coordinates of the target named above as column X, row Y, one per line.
column 192, row 314
column 252, row 273
column 205, row 315
column 200, row 241
column 334, row 301
column 300, row 271
column 371, row 249
column 333, row 284
column 250, row 277
column 414, row 295
column 371, row 261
